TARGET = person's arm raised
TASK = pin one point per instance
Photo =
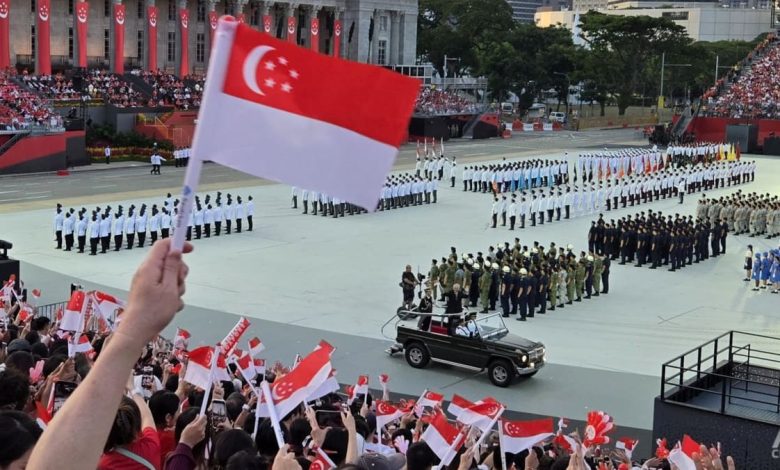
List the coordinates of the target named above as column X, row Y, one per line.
column 82, row 425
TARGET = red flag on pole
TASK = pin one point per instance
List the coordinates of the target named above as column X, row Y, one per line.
column 184, row 20
column 119, row 38
column 151, row 36
column 5, row 43
column 82, row 17
column 43, row 43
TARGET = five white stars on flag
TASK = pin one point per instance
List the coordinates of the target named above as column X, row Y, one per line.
column 270, row 65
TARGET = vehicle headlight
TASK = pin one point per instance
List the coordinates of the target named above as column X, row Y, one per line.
column 523, row 358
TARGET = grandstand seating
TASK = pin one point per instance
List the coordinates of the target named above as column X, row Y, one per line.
column 20, row 109
column 751, row 90
column 433, row 101
column 169, row 90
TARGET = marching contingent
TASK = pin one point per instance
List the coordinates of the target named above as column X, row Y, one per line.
column 128, row 229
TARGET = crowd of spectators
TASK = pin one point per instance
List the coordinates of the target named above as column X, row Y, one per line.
column 434, row 101
column 112, row 88
column 20, row 109
column 55, row 87
column 751, row 89
column 116, row 409
column 169, row 90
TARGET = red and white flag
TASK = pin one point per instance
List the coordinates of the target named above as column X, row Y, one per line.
column 246, row 367
column 682, row 454
column 443, row 438
column 321, row 461
column 182, row 338
column 386, row 413
column 82, row 345
column 232, row 338
column 321, row 123
column 627, row 445
column 259, row 365
column 427, row 398
column 26, row 313
column 199, row 368
column 481, row 414
column 73, row 316
column 44, row 415
column 383, row 381
column 360, row 388
column 256, row 346
column 36, row 293
column 331, row 385
column 106, row 304
column 295, row 387
column 517, row 436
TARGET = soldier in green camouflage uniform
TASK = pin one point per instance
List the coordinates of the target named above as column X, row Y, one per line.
column 484, row 288
column 579, row 279
column 598, row 268
column 570, row 284
column 433, row 276
column 553, row 276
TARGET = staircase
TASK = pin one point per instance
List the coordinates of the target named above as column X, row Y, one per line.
column 13, row 140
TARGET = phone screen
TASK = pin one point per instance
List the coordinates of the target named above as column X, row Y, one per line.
column 218, row 414
column 62, row 390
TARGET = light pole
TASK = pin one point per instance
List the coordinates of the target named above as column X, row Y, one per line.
column 663, row 66
column 718, row 67
column 568, row 85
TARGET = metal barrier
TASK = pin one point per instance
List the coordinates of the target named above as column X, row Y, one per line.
column 733, row 362
column 50, row 310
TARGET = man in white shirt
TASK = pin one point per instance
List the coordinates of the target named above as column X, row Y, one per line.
column 59, row 218
column 230, row 214
column 67, row 229
column 523, row 208
column 218, row 218
column 208, row 220
column 107, row 153
column 94, row 234
column 494, row 211
column 165, row 224
column 81, row 231
column 240, row 213
column 453, row 168
column 118, row 229
column 512, row 211
column 294, row 197
column 197, row 220
column 105, row 233
column 140, row 226
column 130, row 227
column 154, row 223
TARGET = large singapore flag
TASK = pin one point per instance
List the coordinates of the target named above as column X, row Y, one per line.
column 279, row 111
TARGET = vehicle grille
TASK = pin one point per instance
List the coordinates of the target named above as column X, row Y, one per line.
column 536, row 355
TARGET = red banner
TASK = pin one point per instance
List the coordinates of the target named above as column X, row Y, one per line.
column 292, row 27
column 82, row 16
column 5, row 41
column 336, row 38
column 119, row 38
column 212, row 26
column 184, row 19
column 315, row 34
column 43, row 61
column 267, row 23
column 151, row 37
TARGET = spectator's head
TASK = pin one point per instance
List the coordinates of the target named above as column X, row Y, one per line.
column 234, row 402
column 40, row 350
column 299, row 430
column 14, row 389
column 126, row 426
column 21, row 361
column 164, row 406
column 246, row 460
column 420, row 457
column 231, row 442
column 335, row 444
column 18, row 435
column 186, row 417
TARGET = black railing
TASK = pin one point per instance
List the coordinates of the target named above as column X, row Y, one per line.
column 733, row 362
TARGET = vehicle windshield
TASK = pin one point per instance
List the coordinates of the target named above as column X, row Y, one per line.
column 491, row 326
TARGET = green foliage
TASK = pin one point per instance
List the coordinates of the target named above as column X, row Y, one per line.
column 102, row 135
column 452, row 28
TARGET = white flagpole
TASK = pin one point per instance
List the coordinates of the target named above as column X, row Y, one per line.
column 446, row 460
column 501, row 446
column 205, row 403
column 492, row 423
column 220, row 54
column 272, row 412
column 259, row 394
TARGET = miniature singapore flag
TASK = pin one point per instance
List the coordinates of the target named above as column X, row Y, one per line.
column 517, row 436
column 282, row 112
column 682, row 455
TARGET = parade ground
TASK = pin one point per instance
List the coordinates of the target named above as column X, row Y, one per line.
column 301, row 278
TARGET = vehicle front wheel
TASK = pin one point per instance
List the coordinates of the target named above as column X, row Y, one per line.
column 417, row 356
column 501, row 373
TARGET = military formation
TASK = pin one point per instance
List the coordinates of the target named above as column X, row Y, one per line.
column 128, row 229
column 540, row 205
column 399, row 191
column 521, row 280
column 751, row 214
column 654, row 240
column 510, row 176
column 700, row 152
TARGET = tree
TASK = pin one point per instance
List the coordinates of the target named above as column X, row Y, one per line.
column 452, row 28
column 632, row 42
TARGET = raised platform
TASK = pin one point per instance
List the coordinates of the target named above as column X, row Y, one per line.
column 713, row 129
column 729, row 383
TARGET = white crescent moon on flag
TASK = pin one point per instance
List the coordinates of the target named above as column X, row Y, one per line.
column 250, row 67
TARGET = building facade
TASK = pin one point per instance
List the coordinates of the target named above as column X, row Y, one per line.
column 523, row 10
column 375, row 31
column 702, row 21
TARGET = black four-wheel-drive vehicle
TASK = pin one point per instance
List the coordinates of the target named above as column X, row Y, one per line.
column 479, row 343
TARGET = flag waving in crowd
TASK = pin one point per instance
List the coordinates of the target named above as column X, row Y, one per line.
column 267, row 93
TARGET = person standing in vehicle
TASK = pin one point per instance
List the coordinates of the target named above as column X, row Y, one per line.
column 433, row 277
column 408, row 283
